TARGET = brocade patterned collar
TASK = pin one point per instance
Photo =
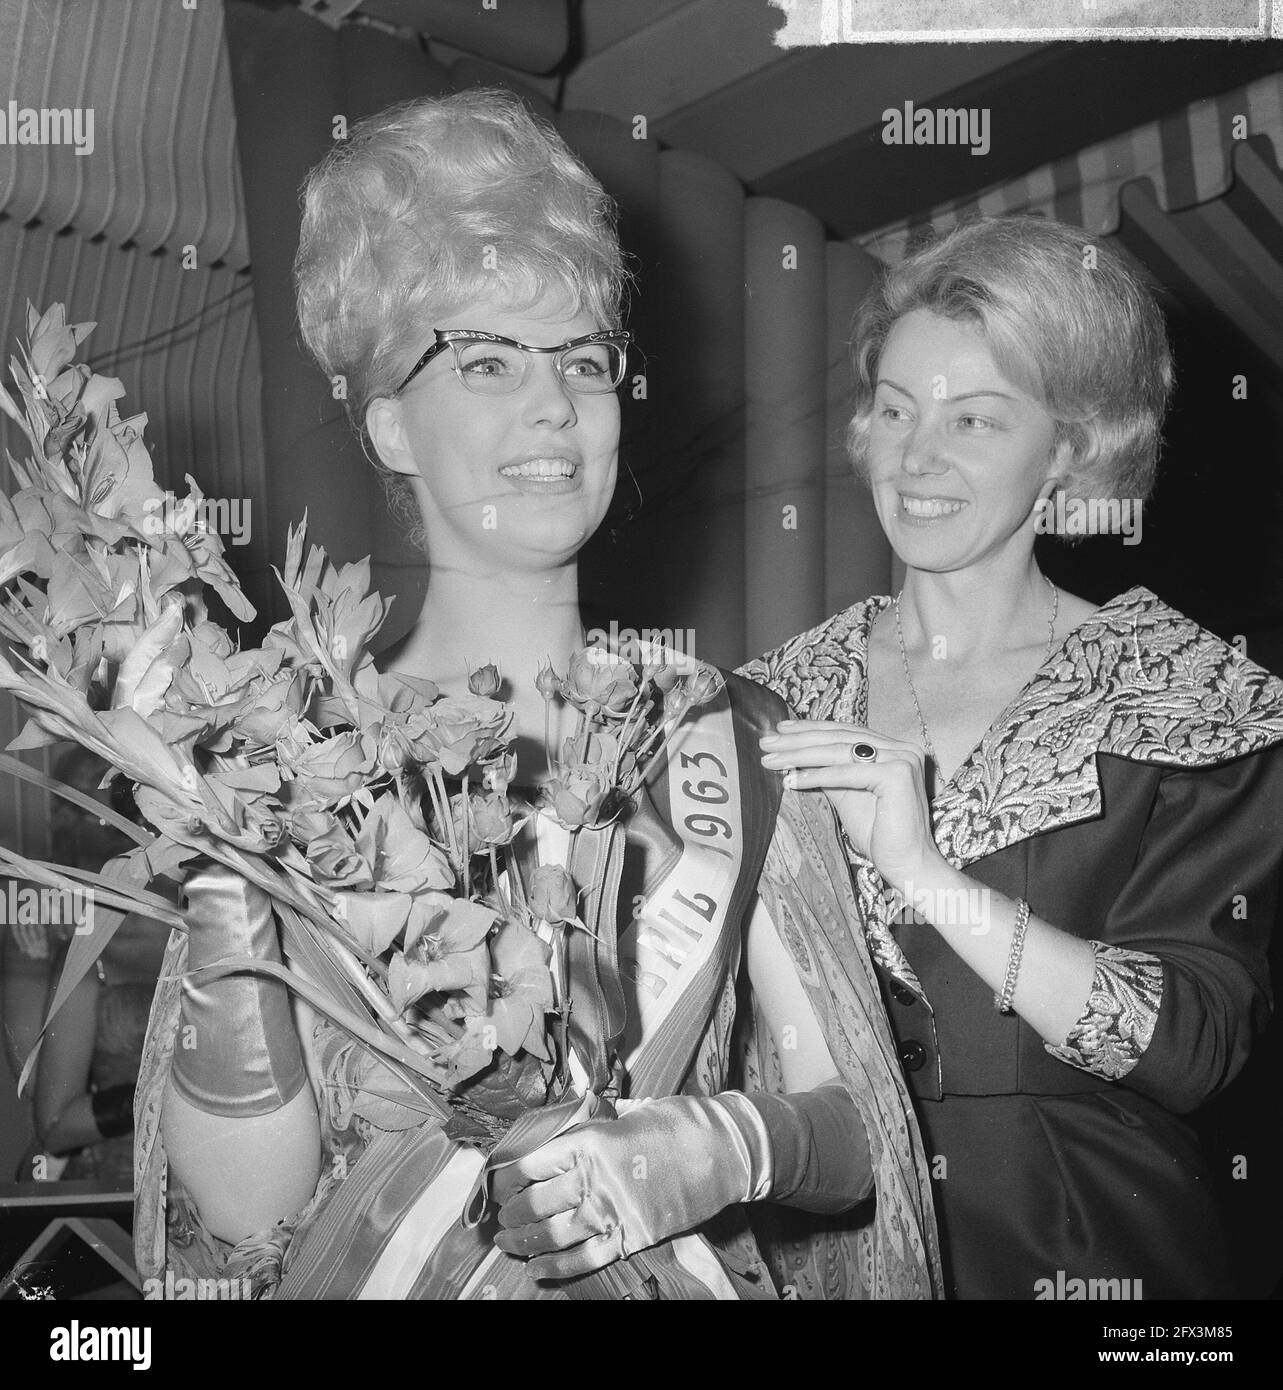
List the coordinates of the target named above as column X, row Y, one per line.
column 1136, row 679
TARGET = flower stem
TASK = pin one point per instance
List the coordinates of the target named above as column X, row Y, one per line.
column 504, row 899
column 547, row 732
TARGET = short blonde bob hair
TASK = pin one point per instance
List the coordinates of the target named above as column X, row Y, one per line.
column 1067, row 321
column 434, row 203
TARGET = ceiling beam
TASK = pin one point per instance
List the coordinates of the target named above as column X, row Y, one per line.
column 819, row 98
column 1044, row 106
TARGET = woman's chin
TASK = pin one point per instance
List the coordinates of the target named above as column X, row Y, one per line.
column 550, row 543
column 925, row 549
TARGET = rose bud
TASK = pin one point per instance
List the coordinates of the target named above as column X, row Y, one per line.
column 552, row 894
column 655, row 665
column 665, row 677
column 266, row 822
column 705, row 685
column 485, row 681
column 548, row 682
column 492, row 819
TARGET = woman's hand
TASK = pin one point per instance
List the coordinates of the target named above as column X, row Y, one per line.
column 612, row 1187
column 32, row 939
column 881, row 801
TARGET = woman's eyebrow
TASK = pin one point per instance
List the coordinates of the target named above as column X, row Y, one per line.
column 964, row 396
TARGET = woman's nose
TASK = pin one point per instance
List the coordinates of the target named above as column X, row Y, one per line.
column 549, row 401
column 922, row 452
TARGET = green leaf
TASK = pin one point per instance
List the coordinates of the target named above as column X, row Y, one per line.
column 27, row 773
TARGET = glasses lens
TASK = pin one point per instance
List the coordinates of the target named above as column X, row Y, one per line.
column 490, row 369
column 592, row 368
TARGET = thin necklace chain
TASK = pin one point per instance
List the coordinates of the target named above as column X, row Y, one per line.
column 908, row 675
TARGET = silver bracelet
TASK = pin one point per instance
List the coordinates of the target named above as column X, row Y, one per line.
column 1002, row 1002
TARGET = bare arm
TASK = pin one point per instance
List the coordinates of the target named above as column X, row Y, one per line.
column 804, row 1055
column 64, row 1117
column 245, row 1174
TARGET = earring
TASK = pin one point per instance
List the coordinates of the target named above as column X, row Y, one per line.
column 632, row 512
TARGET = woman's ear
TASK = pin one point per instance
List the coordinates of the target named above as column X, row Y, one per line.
column 1063, row 467
column 387, row 433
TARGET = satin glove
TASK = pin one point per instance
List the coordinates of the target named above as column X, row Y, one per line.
column 237, row 1051
column 611, row 1188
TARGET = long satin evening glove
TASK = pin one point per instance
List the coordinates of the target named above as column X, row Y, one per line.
column 614, row 1187
column 237, row 1052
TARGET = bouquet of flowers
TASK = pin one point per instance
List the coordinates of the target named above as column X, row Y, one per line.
column 378, row 813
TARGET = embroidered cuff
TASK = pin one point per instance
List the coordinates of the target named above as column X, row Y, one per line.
column 1122, row 1009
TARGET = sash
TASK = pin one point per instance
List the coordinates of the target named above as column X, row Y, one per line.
column 684, row 939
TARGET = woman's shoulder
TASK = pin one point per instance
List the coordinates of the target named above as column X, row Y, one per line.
column 814, row 671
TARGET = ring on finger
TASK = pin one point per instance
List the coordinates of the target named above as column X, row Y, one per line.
column 863, row 753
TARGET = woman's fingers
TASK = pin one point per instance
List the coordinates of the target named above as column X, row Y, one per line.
column 835, row 755
column 540, row 1200
column 592, row 1255
column 892, row 827
column 559, row 1232
column 548, row 1161
column 33, row 940
column 821, row 732
column 789, row 727
column 831, row 765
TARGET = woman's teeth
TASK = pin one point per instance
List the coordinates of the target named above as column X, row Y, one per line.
column 539, row 468
column 930, row 506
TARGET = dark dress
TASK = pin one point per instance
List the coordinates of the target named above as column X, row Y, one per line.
column 1132, row 793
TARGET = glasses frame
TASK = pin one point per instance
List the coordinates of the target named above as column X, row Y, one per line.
column 457, row 337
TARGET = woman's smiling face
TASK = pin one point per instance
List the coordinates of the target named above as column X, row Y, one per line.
column 958, row 455
column 510, row 481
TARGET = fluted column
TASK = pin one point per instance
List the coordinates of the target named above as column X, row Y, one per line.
column 701, row 408
column 785, row 380
column 857, row 558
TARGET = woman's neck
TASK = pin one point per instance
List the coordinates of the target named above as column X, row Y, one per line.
column 518, row 621
column 978, row 612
